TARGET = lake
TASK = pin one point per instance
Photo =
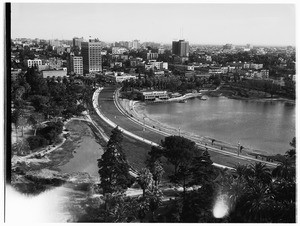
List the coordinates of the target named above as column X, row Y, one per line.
column 85, row 158
column 267, row 126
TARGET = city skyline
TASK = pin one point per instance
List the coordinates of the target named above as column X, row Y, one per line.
column 239, row 24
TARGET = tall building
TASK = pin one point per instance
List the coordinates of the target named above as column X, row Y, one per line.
column 77, row 42
column 55, row 42
column 129, row 46
column 135, row 44
column 76, row 64
column 91, row 54
column 180, row 48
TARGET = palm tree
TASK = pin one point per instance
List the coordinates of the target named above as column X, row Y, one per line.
column 258, row 203
column 247, row 189
column 260, row 173
column 242, row 171
column 285, row 169
column 235, row 189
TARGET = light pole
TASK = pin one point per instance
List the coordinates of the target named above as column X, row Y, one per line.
column 144, row 123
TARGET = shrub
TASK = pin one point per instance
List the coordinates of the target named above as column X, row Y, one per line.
column 51, row 132
column 36, row 142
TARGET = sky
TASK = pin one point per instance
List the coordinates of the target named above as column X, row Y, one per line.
column 257, row 24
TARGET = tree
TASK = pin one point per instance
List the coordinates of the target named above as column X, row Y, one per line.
column 113, row 167
column 179, row 151
column 257, row 203
column 182, row 176
column 51, row 132
column 115, row 208
column 157, row 171
column 114, row 171
column 140, row 208
column 155, row 201
column 285, row 169
column 39, row 102
column 154, row 163
column 144, row 179
column 292, row 152
column 33, row 122
column 260, row 173
column 21, row 147
column 15, row 117
column 116, row 138
column 155, row 154
column 37, row 83
column 202, row 169
column 196, row 207
column 36, row 142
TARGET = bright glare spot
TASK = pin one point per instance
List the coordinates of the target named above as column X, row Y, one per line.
column 221, row 208
column 43, row 208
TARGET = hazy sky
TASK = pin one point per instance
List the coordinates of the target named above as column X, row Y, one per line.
column 271, row 24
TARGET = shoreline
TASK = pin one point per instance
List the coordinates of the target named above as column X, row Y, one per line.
column 230, row 95
column 265, row 99
column 53, row 159
column 218, row 93
column 136, row 109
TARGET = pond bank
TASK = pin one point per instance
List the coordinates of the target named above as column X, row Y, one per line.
column 65, row 155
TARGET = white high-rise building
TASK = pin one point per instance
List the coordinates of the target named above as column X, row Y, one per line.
column 76, row 64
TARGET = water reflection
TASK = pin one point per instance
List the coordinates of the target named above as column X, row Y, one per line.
column 268, row 126
column 85, row 158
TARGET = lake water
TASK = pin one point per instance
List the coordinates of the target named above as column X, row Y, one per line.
column 267, row 126
column 85, row 158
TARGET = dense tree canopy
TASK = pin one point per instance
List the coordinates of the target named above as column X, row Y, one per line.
column 179, row 151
